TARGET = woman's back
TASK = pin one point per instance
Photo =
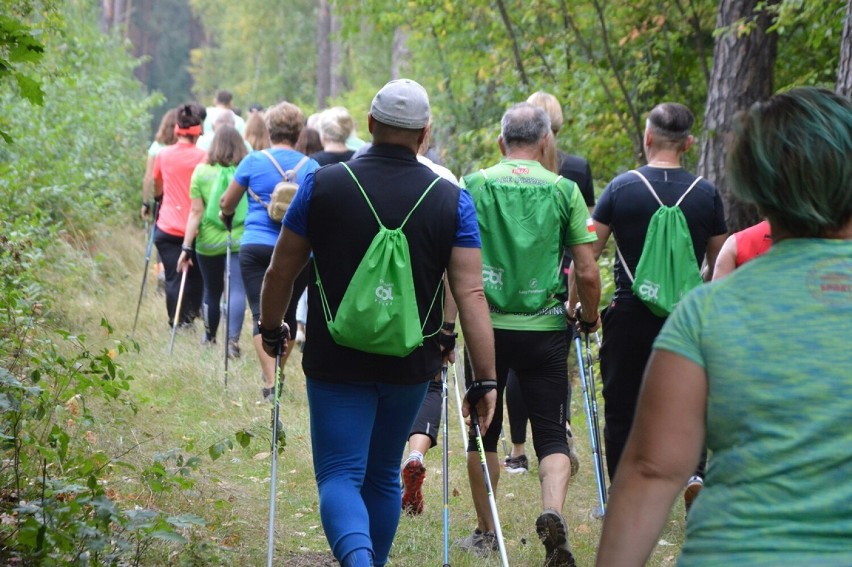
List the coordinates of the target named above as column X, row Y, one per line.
column 775, row 340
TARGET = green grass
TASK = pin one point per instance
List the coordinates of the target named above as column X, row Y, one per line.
column 183, row 406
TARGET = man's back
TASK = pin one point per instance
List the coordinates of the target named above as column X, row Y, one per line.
column 626, row 206
column 341, row 227
column 527, row 215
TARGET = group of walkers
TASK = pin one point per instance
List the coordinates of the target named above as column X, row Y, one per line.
column 728, row 373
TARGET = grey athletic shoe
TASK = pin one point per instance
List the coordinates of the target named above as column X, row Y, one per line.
column 479, row 543
column 516, row 465
column 572, row 451
column 552, row 532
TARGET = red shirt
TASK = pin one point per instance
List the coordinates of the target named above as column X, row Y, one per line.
column 752, row 242
column 174, row 166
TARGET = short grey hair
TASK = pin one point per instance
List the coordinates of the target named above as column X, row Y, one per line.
column 524, row 124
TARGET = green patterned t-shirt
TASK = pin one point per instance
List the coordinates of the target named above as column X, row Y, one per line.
column 775, row 339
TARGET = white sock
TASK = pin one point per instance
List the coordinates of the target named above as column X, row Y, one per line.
column 415, row 455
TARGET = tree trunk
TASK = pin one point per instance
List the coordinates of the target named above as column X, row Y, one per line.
column 339, row 82
column 844, row 69
column 323, row 54
column 106, row 16
column 743, row 61
column 399, row 52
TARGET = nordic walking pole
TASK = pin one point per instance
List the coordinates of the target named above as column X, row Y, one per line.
column 590, row 375
column 592, row 424
column 177, row 310
column 227, row 304
column 445, row 415
column 145, row 273
column 459, row 398
column 274, row 479
column 474, row 419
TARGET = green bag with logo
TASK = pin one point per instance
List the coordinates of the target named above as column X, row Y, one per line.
column 667, row 269
column 378, row 313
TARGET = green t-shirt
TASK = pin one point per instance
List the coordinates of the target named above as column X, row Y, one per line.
column 208, row 183
column 774, row 338
column 527, row 216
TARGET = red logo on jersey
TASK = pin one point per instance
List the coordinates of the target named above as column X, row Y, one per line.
column 521, row 170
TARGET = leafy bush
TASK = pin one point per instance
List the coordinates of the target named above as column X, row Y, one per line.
column 76, row 158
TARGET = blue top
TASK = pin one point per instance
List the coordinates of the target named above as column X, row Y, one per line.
column 467, row 229
column 258, row 173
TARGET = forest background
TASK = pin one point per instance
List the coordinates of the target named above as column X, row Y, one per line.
column 83, row 82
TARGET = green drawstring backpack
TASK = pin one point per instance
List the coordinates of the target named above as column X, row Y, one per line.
column 667, row 269
column 378, row 313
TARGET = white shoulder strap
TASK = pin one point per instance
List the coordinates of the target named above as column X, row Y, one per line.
column 623, row 263
column 647, row 184
column 691, row 187
column 274, row 161
column 484, row 174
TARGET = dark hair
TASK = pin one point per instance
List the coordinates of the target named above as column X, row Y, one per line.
column 166, row 131
column 224, row 97
column 524, row 124
column 228, row 147
column 792, row 157
column 188, row 115
column 309, row 142
column 670, row 121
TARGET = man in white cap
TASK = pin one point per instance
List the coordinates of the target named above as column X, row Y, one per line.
column 362, row 405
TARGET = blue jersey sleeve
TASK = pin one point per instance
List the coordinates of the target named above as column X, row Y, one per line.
column 467, row 231
column 296, row 218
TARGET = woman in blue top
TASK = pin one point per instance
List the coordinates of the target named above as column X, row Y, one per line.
column 758, row 364
column 258, row 173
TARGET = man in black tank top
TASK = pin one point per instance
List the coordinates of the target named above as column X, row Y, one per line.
column 362, row 405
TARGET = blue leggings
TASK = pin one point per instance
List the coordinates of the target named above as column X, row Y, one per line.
column 358, row 433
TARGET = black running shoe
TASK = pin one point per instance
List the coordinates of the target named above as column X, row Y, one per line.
column 552, row 532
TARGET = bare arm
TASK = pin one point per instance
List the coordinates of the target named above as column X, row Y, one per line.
column 290, row 256
column 147, row 185
column 451, row 311
column 603, row 232
column 726, row 261
column 465, row 277
column 662, row 451
column 231, row 198
column 714, row 245
column 192, row 223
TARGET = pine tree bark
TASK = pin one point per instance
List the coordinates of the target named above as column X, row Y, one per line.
column 743, row 61
column 844, row 69
column 323, row 54
column 399, row 52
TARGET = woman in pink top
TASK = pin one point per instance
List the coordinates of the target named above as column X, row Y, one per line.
column 173, row 169
column 741, row 247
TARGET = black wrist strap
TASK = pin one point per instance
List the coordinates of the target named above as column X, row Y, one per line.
column 478, row 389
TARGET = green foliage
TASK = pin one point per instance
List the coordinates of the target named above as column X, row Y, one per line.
column 77, row 155
column 261, row 52
column 20, row 49
column 55, row 507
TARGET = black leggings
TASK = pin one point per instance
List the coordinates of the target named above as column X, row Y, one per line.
column 254, row 259
column 428, row 419
column 169, row 249
column 539, row 358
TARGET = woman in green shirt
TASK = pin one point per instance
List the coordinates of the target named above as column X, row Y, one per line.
column 211, row 238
